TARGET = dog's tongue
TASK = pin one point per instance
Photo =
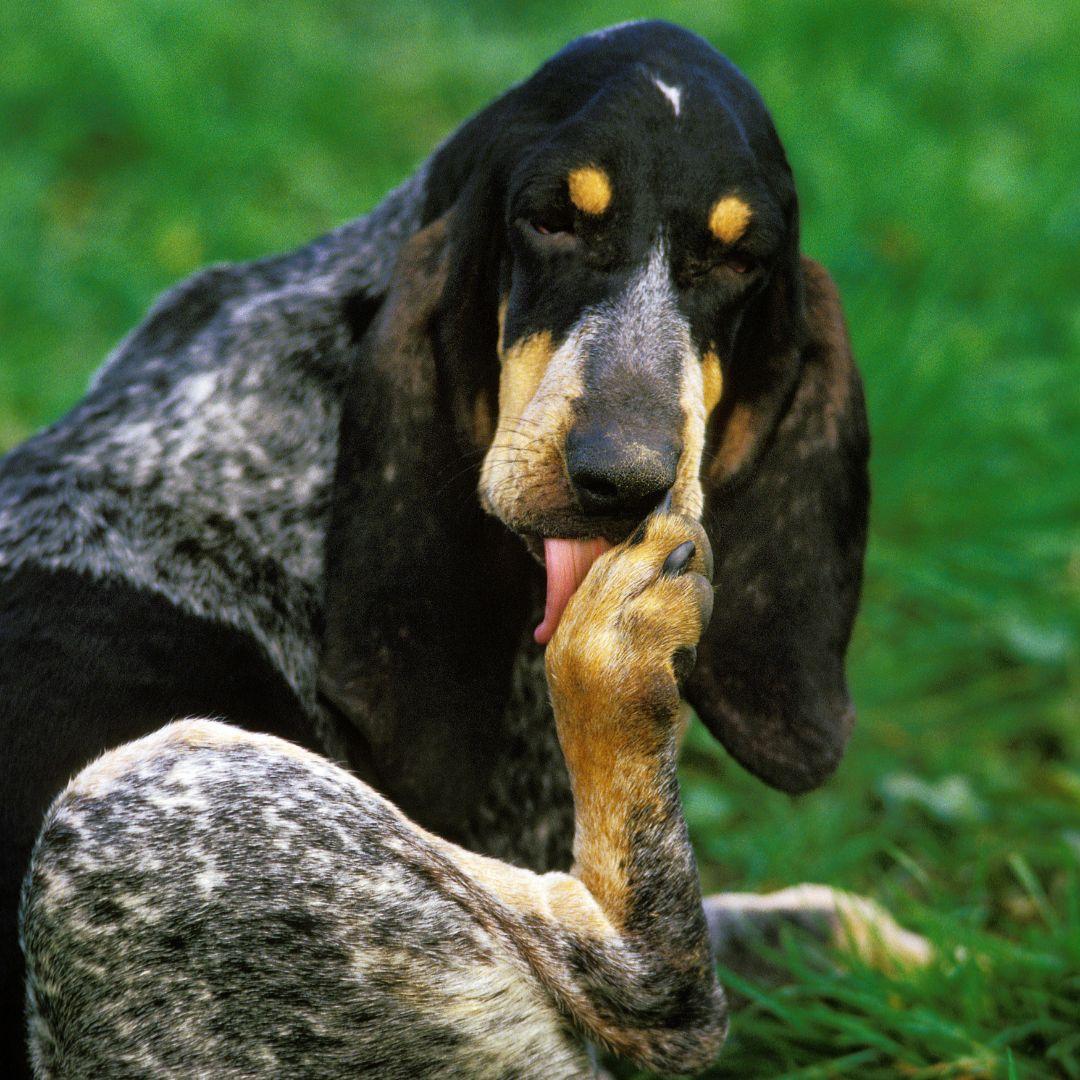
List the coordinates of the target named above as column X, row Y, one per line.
column 567, row 562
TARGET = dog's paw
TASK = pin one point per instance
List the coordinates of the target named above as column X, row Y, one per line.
column 628, row 635
column 745, row 926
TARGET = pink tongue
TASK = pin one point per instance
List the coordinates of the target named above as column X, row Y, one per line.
column 567, row 562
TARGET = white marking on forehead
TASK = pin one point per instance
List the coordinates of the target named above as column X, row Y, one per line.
column 672, row 93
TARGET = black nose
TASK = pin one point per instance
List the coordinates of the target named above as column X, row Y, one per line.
column 617, row 473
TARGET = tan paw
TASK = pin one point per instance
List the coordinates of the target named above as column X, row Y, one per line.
column 628, row 634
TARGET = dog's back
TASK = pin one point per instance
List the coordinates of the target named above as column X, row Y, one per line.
column 161, row 545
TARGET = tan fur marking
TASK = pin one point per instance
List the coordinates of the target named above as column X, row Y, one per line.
column 598, row 686
column 554, row 897
column 728, row 218
column 688, row 495
column 504, row 303
column 590, row 189
column 523, row 367
column 713, row 379
column 735, row 443
column 602, row 847
column 523, row 471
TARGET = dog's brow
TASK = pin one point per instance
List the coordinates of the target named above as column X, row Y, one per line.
column 728, row 218
column 590, row 189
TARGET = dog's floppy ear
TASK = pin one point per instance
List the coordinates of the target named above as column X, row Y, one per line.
column 786, row 498
column 422, row 619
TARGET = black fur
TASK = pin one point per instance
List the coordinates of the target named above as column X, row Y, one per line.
column 88, row 665
column 151, row 567
column 786, row 512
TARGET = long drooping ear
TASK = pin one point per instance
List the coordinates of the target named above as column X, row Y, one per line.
column 422, row 612
column 787, row 494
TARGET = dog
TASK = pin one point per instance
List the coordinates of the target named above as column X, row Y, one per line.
column 589, row 303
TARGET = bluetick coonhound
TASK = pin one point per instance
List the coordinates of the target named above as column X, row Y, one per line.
column 401, row 855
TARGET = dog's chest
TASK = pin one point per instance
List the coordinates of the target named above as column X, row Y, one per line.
column 526, row 816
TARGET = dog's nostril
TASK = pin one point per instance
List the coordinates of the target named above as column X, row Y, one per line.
column 628, row 495
column 597, row 488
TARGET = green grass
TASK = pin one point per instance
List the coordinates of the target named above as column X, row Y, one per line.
column 936, row 151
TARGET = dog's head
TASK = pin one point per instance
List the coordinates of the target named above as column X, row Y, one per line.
column 640, row 226
column 620, row 314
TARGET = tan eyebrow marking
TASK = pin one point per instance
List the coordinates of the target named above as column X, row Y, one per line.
column 728, row 218
column 590, row 189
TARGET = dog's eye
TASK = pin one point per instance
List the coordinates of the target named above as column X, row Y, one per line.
column 738, row 264
column 551, row 226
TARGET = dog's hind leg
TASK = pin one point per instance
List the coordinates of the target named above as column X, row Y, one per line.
column 207, row 901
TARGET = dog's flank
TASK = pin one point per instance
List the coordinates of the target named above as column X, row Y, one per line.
column 277, row 918
column 285, row 918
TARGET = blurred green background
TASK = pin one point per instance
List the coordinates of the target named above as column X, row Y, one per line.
column 937, row 152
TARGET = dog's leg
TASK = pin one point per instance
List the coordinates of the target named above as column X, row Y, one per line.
column 626, row 637
column 207, row 902
column 210, row 902
column 840, row 922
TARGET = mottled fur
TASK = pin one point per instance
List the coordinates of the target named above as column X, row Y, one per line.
column 216, row 904
column 198, row 466
column 266, row 508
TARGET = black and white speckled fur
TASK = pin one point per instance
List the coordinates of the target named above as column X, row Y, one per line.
column 207, row 900
column 256, row 911
column 165, row 540
column 198, row 469
column 211, row 902
column 185, row 495
column 198, row 466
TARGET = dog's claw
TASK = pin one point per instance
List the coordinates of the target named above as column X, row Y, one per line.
column 664, row 506
column 677, row 561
